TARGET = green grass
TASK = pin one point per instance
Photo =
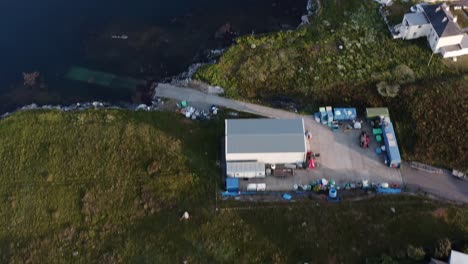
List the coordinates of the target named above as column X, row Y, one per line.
column 309, row 65
column 309, row 61
column 398, row 9
column 110, row 186
column 462, row 19
column 97, row 172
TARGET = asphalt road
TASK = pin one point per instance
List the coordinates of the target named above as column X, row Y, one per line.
column 442, row 185
column 340, row 156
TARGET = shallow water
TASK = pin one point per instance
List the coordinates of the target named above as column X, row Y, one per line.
column 164, row 38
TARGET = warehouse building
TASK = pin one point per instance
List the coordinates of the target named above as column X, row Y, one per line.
column 256, row 142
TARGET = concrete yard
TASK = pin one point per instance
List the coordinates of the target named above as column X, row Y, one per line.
column 341, row 157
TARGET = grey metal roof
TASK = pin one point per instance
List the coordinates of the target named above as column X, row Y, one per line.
column 464, row 42
column 441, row 20
column 416, row 19
column 265, row 135
column 263, row 126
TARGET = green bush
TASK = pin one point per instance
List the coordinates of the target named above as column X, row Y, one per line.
column 465, row 249
column 442, row 248
column 428, row 111
column 404, row 74
column 415, row 253
column 388, row 90
column 383, row 259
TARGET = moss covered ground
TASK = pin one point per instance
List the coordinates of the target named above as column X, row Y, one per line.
column 347, row 58
column 109, row 186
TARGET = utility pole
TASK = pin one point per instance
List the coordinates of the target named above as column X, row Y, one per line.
column 430, row 59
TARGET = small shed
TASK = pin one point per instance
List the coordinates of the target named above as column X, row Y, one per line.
column 232, row 184
column 374, row 112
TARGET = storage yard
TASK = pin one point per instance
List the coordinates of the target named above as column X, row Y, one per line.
column 334, row 145
column 334, row 152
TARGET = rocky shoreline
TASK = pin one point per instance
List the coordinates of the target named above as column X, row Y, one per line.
column 184, row 79
column 85, row 106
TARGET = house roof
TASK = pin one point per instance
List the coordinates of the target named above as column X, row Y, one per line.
column 372, row 112
column 442, row 20
column 265, row 136
column 416, row 19
column 464, row 42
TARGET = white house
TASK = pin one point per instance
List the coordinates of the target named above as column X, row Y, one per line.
column 439, row 26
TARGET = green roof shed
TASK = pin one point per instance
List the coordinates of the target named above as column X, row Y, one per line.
column 376, row 112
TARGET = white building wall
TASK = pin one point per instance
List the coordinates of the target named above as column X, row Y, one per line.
column 414, row 32
column 270, row 158
column 432, row 38
column 449, row 41
column 455, row 53
column 245, row 169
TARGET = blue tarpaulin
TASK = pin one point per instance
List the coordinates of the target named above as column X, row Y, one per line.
column 233, row 194
column 232, row 184
column 345, row 114
column 388, row 190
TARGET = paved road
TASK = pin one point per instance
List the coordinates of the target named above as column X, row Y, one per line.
column 443, row 185
column 340, row 156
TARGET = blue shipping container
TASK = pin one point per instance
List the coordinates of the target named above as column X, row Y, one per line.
column 391, row 145
column 339, row 114
column 345, row 114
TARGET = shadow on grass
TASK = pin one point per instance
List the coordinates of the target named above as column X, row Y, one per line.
column 352, row 232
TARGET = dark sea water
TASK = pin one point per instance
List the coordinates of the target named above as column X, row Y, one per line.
column 164, row 38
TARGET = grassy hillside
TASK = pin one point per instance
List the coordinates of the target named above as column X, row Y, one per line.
column 347, row 58
column 75, row 181
column 109, row 186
